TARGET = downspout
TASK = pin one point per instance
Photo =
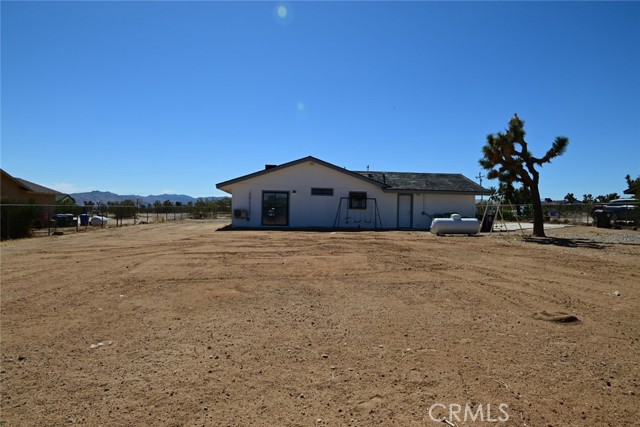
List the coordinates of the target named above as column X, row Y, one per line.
column 249, row 207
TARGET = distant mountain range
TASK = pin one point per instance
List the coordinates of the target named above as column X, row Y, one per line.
column 107, row 196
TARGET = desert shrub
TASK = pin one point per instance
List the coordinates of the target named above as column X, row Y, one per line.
column 68, row 206
column 124, row 209
column 17, row 220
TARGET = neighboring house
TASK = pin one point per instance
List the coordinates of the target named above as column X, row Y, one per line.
column 310, row 193
column 66, row 199
column 17, row 190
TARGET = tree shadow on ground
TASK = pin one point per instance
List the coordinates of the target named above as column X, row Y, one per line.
column 567, row 243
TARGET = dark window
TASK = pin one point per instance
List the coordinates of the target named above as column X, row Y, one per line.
column 357, row 200
column 275, row 208
column 322, row 191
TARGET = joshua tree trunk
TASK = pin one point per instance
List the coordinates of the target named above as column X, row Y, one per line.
column 538, row 214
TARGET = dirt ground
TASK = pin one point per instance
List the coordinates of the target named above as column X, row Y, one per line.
column 179, row 324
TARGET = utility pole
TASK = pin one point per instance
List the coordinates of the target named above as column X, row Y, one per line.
column 480, row 176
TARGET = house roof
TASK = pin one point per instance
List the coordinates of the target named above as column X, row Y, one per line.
column 275, row 168
column 36, row 188
column 426, row 182
column 32, row 187
column 388, row 181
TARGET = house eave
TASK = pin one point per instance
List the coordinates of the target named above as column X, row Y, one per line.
column 226, row 186
column 422, row 191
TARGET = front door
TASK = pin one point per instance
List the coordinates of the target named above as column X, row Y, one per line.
column 405, row 210
column 275, row 208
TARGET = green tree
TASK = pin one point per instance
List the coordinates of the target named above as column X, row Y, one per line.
column 570, row 198
column 634, row 185
column 587, row 199
column 521, row 196
column 167, row 205
column 18, row 221
column 507, row 157
column 124, row 209
column 609, row 197
column 495, row 194
column 68, row 206
column 200, row 208
column 222, row 205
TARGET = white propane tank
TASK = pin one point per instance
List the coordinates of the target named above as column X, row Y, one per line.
column 455, row 225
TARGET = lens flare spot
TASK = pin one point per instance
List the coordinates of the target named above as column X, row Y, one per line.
column 283, row 13
column 300, row 106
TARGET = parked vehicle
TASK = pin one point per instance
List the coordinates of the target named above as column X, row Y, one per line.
column 617, row 213
column 65, row 220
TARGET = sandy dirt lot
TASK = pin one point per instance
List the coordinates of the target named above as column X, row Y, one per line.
column 179, row 324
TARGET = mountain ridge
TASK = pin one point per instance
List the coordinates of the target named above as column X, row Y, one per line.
column 107, row 196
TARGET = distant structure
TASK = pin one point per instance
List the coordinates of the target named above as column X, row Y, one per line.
column 18, row 190
column 312, row 193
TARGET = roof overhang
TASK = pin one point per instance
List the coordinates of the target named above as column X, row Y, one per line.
column 227, row 186
column 408, row 190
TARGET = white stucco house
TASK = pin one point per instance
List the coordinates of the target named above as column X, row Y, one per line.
column 312, row 193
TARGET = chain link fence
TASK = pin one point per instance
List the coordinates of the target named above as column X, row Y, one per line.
column 563, row 213
column 26, row 220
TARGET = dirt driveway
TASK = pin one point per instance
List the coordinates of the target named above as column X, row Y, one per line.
column 179, row 324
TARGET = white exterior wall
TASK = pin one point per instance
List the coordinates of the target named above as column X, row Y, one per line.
column 306, row 210
column 425, row 206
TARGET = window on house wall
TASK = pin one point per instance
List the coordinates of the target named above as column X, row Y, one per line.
column 322, row 191
column 357, row 200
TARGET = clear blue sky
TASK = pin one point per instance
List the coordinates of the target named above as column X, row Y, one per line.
column 154, row 97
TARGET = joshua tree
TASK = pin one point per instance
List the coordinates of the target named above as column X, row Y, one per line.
column 634, row 185
column 587, row 199
column 507, row 157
